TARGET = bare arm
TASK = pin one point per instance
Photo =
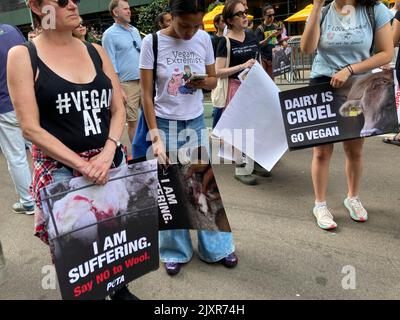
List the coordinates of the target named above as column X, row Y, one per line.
column 384, row 49
column 396, row 32
column 21, row 88
column 146, row 84
column 223, row 72
column 103, row 161
column 310, row 38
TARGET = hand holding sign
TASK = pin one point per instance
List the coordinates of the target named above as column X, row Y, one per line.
column 339, row 78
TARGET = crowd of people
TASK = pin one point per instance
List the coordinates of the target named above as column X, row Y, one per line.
column 154, row 74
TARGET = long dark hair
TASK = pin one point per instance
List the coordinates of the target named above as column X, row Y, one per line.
column 367, row 3
column 183, row 7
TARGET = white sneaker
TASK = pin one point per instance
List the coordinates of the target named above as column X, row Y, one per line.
column 18, row 207
column 356, row 209
column 324, row 218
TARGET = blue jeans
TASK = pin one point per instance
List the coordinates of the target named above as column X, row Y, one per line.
column 12, row 144
column 217, row 113
column 176, row 245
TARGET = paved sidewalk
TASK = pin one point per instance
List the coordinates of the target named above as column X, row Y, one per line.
column 283, row 254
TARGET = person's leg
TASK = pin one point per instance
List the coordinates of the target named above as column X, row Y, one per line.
column 354, row 167
column 175, row 245
column 270, row 70
column 13, row 145
column 132, row 91
column 320, row 170
column 217, row 113
column 320, row 174
column 354, row 164
column 217, row 247
column 213, row 246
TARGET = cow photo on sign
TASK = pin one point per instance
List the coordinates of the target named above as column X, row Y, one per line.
column 188, row 195
column 103, row 237
column 363, row 107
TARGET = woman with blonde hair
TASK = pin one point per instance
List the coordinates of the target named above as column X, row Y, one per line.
column 67, row 106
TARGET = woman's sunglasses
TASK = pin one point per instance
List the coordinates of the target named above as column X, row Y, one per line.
column 241, row 14
column 64, row 3
column 81, row 24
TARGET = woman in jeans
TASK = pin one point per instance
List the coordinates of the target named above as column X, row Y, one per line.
column 335, row 62
column 178, row 107
column 244, row 53
column 49, row 98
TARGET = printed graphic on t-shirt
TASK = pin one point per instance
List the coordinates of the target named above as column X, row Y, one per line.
column 273, row 40
column 89, row 103
column 346, row 30
column 245, row 50
column 178, row 81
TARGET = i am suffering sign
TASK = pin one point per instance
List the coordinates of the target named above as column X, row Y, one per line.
column 320, row 114
column 103, row 237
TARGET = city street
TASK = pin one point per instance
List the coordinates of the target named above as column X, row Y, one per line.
column 283, row 254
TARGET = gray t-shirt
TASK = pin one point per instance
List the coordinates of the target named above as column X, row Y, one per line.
column 346, row 39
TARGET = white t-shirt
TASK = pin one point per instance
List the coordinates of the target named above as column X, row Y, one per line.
column 177, row 60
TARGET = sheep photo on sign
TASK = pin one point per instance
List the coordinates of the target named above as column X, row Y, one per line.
column 365, row 106
column 102, row 237
column 188, row 194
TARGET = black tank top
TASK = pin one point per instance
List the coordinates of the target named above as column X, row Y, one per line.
column 77, row 114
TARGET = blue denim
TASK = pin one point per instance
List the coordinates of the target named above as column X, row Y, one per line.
column 13, row 145
column 176, row 245
column 217, row 113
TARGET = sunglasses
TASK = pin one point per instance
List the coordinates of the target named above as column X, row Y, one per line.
column 64, row 3
column 241, row 14
column 81, row 24
column 136, row 46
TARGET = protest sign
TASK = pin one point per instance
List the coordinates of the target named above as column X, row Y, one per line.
column 103, row 237
column 189, row 198
column 397, row 86
column 281, row 58
column 252, row 122
column 363, row 107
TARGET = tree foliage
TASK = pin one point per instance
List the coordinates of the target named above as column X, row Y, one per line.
column 213, row 5
column 149, row 13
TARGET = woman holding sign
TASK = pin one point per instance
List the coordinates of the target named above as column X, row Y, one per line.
column 66, row 105
column 243, row 54
column 336, row 61
column 178, row 109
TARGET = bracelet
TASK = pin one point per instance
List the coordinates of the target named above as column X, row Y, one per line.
column 350, row 69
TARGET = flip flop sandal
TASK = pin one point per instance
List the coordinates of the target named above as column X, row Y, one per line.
column 393, row 141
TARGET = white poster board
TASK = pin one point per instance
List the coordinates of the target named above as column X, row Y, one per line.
column 255, row 106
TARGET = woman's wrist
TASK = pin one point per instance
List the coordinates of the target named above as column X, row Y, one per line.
column 350, row 69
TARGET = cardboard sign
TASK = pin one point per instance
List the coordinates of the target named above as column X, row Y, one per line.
column 103, row 237
column 189, row 198
column 252, row 122
column 319, row 114
column 281, row 58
